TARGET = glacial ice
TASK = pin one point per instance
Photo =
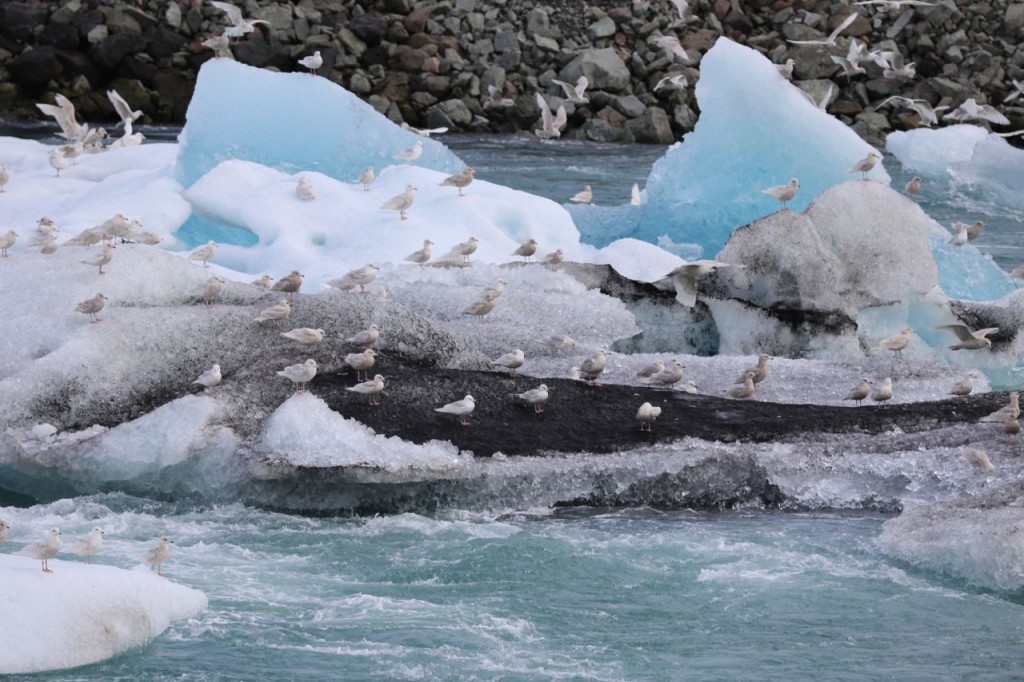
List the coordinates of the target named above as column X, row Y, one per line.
column 756, row 130
column 933, row 151
column 83, row 613
column 293, row 123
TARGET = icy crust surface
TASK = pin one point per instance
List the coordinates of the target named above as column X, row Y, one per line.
column 83, row 613
column 291, row 122
column 756, row 130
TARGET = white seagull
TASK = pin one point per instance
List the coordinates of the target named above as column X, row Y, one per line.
column 366, row 178
column 312, row 62
column 89, row 544
column 158, row 555
column 204, row 253
column 574, row 93
column 970, row 340
column 685, row 276
column 92, row 306
column 785, row 192
column 646, row 415
column 361, row 362
column 830, row 41
column 124, row 112
column 421, row 256
column 536, row 397
column 401, row 202
column 411, row 154
column 44, row 549
column 865, row 165
column 210, row 378
column 239, row 24
column 584, row 196
column 550, row 124
column 372, row 388
column 460, row 408
column 300, row 374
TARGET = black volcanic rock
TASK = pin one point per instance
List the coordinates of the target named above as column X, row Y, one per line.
column 111, row 51
column 35, row 67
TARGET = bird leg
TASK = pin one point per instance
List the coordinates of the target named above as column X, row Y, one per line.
column 537, row 409
column 46, row 567
column 401, row 214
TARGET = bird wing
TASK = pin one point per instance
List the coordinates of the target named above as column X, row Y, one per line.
column 581, row 85
column 546, row 122
column 961, row 331
column 560, row 119
column 685, row 281
column 842, row 27
column 124, row 111
column 570, row 92
column 234, row 14
column 982, row 333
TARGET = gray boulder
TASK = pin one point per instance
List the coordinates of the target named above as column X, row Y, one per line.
column 603, row 68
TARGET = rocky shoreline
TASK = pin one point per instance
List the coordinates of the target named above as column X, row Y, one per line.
column 430, row 64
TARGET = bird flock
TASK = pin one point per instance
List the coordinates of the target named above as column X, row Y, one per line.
column 49, row 546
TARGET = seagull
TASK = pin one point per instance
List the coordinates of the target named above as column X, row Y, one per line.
column 300, row 374
column 459, row 180
column 592, row 367
column 970, row 340
column 974, row 231
column 366, row 337
column 830, row 41
column 212, row 289
column 849, row 68
column 893, row 65
column 583, row 197
column 1018, row 90
column 651, row 369
column 480, row 307
column 634, row 195
column 312, row 62
column 5, row 177
column 691, row 388
column 494, row 290
column 883, row 392
column 550, row 125
column 464, row 249
column 289, row 284
column 924, row 110
column 366, row 178
column 860, row 391
column 553, row 258
column 239, row 25
column 210, row 378
column 785, row 192
column 361, row 362
column 960, row 238
column 72, row 151
column 158, row 555
column 424, row 132
column 825, row 98
column 979, row 460
column 786, row 69
column 204, row 253
column 92, row 306
column 646, row 415
column 669, row 376
column 1011, row 427
column 401, row 202
column 965, row 386
column 898, row 342
column 684, row 278
column 7, row 241
column 574, row 93
column 527, row 249
column 101, row 258
column 58, row 161
column 1010, row 411
column 744, row 391
column 64, row 114
column 264, row 282
column 124, row 112
column 460, row 408
column 4, row 528
column 685, row 13
column 422, row 255
column 411, row 154
column 44, row 549
column 306, row 336
column 277, row 312
column 913, row 187
column 372, row 388
column 536, row 397
column 495, row 100
column 360, row 276
column 865, row 165
column 511, row 361
column 89, row 544
column 220, row 44
column 890, row 5
column 560, row 342
column 674, row 50
column 760, row 371
column 304, row 190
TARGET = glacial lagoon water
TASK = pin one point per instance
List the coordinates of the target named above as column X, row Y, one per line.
column 483, row 590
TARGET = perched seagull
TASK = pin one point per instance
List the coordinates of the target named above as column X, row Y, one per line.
column 204, row 253
column 970, row 340
column 592, row 367
column 560, row 342
column 92, row 306
column 646, row 416
column 691, row 388
column 373, row 388
column 830, row 41
column 650, row 370
column 277, row 312
column 158, row 555
column 669, row 376
column 785, row 192
column 898, row 342
column 464, row 249
column 4, row 528
column 973, row 230
column 72, row 151
column 459, row 180
column 58, row 161
column 860, row 391
column 304, row 190
column 89, row 544
column 883, row 392
column 220, row 44
column 306, row 336
column 411, row 154
column 128, row 139
column 264, row 282
column 359, row 277
column 865, row 165
column 536, row 397
column 634, row 195
column 48, row 245
column 553, row 258
column 7, row 241
column 550, row 124
column 511, row 361
column 5, row 177
column 422, row 255
column 674, row 50
column 760, row 371
column 366, row 178
column 583, row 197
column 744, row 391
column 299, row 374
column 401, row 202
column 494, row 290
column 913, row 187
column 366, row 337
column 101, row 258
column 965, row 386
column 460, row 408
column 786, row 69
column 979, row 460
column 685, row 13
column 121, row 108
column 312, row 62
column 1010, row 411
column 362, row 363
column 960, row 238
column 212, row 289
column 674, row 82
column 239, row 24
column 929, row 116
column 44, row 549
column 527, row 249
column 1011, row 427
column 574, row 93
column 685, row 276
column 480, row 307
column 424, row 132
column 496, row 100
column 210, row 378
column 289, row 284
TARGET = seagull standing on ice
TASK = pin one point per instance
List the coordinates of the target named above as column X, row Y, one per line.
column 44, row 549
column 913, row 187
column 965, row 386
column 360, row 276
column 58, row 161
column 306, row 336
column 592, row 367
column 526, row 250
column 411, row 154
column 460, row 180
column 5, row 177
column 830, row 41
column 669, row 375
column 89, row 544
column 312, row 62
column 422, row 255
column 785, row 192
column 480, row 307
column 960, row 238
column 464, row 249
column 158, row 555
column 575, row 93
column 372, row 388
column 239, row 24
column 650, row 370
column 7, row 241
column 460, row 408
column 746, row 390
column 264, row 282
column 204, row 253
column 646, row 415
column 974, row 230
column 553, row 258
column 865, row 165
column 278, row 312
column 289, row 284
column 883, row 392
column 970, row 340
column 511, row 361
column 898, row 342
column 101, row 258
column 304, row 190
column 92, row 306
column 583, row 197
column 536, row 397
column 860, row 391
column 366, row 337
column 760, row 371
column 300, row 374
column 210, row 378
column 212, row 289
column 401, row 202
column 362, row 363
column 366, row 178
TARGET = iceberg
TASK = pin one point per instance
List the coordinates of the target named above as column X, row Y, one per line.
column 290, row 122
